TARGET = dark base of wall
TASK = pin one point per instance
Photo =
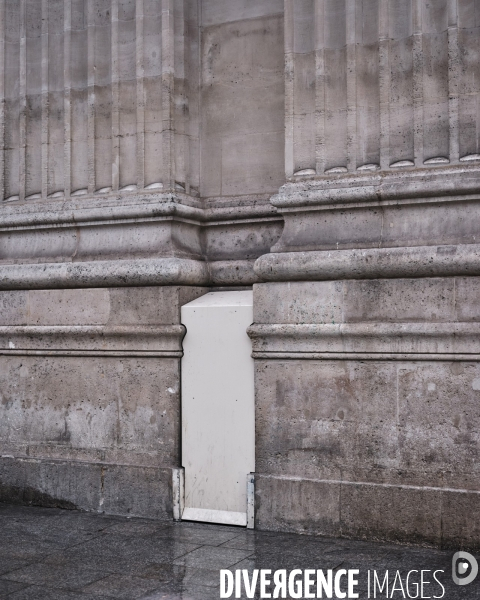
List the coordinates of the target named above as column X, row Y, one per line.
column 113, row 489
column 440, row 518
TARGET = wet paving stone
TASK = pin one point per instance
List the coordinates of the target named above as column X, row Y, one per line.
column 71, row 576
column 52, row 554
column 35, row 592
column 121, row 587
column 8, row 587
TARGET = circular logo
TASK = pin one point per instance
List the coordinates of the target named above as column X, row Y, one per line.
column 464, row 568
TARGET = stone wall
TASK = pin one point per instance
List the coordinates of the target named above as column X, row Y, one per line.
column 380, row 84
column 90, row 396
column 325, row 152
column 367, row 414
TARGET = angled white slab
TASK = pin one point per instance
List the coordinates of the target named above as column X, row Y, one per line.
column 224, row 517
column 218, row 420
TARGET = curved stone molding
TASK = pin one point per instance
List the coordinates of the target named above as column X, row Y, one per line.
column 437, row 160
column 305, row 173
column 402, row 163
column 154, row 186
column 142, row 272
column 336, row 170
column 233, row 272
column 80, row 340
column 369, row 167
column 371, row 339
column 371, row 263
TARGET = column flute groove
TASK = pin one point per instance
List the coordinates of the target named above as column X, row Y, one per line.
column 289, row 89
column 168, row 69
column 384, row 83
column 320, row 157
column 2, row 100
column 418, row 114
column 453, row 81
column 115, row 101
column 140, row 50
column 91, row 95
column 45, row 111
column 67, row 85
column 351, row 86
column 22, row 146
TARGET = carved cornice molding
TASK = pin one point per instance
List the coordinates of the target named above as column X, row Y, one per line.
column 111, row 273
column 409, row 186
column 382, row 341
column 372, row 263
column 134, row 207
column 139, row 239
column 99, row 340
column 419, row 207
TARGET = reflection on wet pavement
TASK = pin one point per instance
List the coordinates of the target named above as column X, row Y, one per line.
column 52, row 554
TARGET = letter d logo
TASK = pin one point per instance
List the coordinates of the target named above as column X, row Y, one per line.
column 461, row 563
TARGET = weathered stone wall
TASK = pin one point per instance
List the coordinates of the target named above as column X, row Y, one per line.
column 367, row 413
column 380, row 84
column 90, row 396
column 105, row 95
column 89, row 96
column 324, row 151
column 242, row 100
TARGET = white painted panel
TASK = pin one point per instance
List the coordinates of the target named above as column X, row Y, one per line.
column 224, row 517
column 218, row 421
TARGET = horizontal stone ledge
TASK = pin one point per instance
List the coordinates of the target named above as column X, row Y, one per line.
column 441, row 184
column 92, row 210
column 95, row 210
column 99, row 274
column 367, row 338
column 362, row 356
column 93, row 353
column 371, row 263
column 162, row 340
column 377, row 511
column 128, row 273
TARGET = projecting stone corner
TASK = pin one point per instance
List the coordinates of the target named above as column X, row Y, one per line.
column 417, row 223
column 136, row 240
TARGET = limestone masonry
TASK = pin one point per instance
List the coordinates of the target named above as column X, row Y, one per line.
column 325, row 152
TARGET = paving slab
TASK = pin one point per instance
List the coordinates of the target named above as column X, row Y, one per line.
column 51, row 554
